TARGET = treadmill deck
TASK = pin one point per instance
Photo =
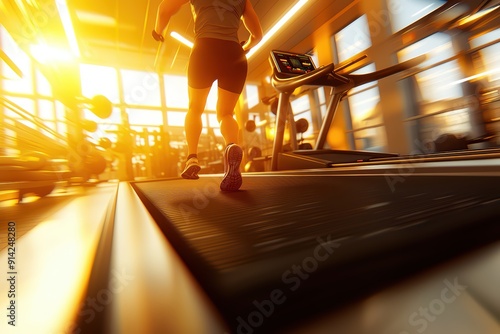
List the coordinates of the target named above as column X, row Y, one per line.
column 312, row 236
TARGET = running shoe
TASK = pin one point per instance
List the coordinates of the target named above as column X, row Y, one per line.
column 192, row 169
column 232, row 179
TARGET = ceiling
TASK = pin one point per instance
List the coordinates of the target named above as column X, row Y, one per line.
column 126, row 36
column 118, row 32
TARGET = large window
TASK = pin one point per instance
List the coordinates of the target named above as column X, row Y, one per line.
column 141, row 88
column 489, row 56
column 17, row 107
column 148, row 101
column 144, row 117
column 365, row 119
column 43, row 86
column 46, row 110
column 212, row 98
column 405, row 12
column 252, row 96
column 440, row 82
column 443, row 109
column 487, row 79
column 353, row 39
column 301, row 108
column 176, row 118
column 366, row 116
column 176, row 91
column 319, row 98
column 99, row 80
column 177, row 103
column 363, row 101
column 115, row 118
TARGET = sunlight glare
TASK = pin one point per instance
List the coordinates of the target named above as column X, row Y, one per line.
column 45, row 54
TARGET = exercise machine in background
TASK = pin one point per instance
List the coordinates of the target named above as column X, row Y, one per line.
column 291, row 71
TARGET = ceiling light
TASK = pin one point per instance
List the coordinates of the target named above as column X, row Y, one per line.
column 62, row 7
column 96, row 18
column 181, row 39
column 278, row 26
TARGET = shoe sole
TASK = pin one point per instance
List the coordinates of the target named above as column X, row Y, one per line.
column 232, row 179
column 191, row 173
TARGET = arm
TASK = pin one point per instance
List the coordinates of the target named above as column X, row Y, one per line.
column 252, row 24
column 166, row 9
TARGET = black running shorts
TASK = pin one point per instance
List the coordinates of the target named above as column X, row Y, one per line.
column 215, row 59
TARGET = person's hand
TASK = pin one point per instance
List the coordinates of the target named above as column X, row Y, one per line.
column 158, row 37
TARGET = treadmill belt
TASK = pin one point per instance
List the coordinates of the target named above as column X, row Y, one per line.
column 310, row 241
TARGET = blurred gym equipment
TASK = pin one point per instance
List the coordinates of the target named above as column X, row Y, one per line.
column 100, row 105
column 39, row 157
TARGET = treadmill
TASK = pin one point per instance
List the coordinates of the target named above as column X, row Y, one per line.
column 291, row 71
column 293, row 244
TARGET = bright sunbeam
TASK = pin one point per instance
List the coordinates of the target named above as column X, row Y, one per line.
column 45, row 54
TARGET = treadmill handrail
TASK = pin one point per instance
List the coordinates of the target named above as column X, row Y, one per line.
column 360, row 79
column 290, row 84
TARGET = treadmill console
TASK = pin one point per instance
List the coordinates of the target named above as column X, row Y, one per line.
column 291, row 63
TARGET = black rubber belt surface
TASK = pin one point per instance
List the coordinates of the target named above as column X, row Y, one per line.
column 240, row 245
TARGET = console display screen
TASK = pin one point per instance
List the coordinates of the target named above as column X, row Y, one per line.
column 292, row 63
